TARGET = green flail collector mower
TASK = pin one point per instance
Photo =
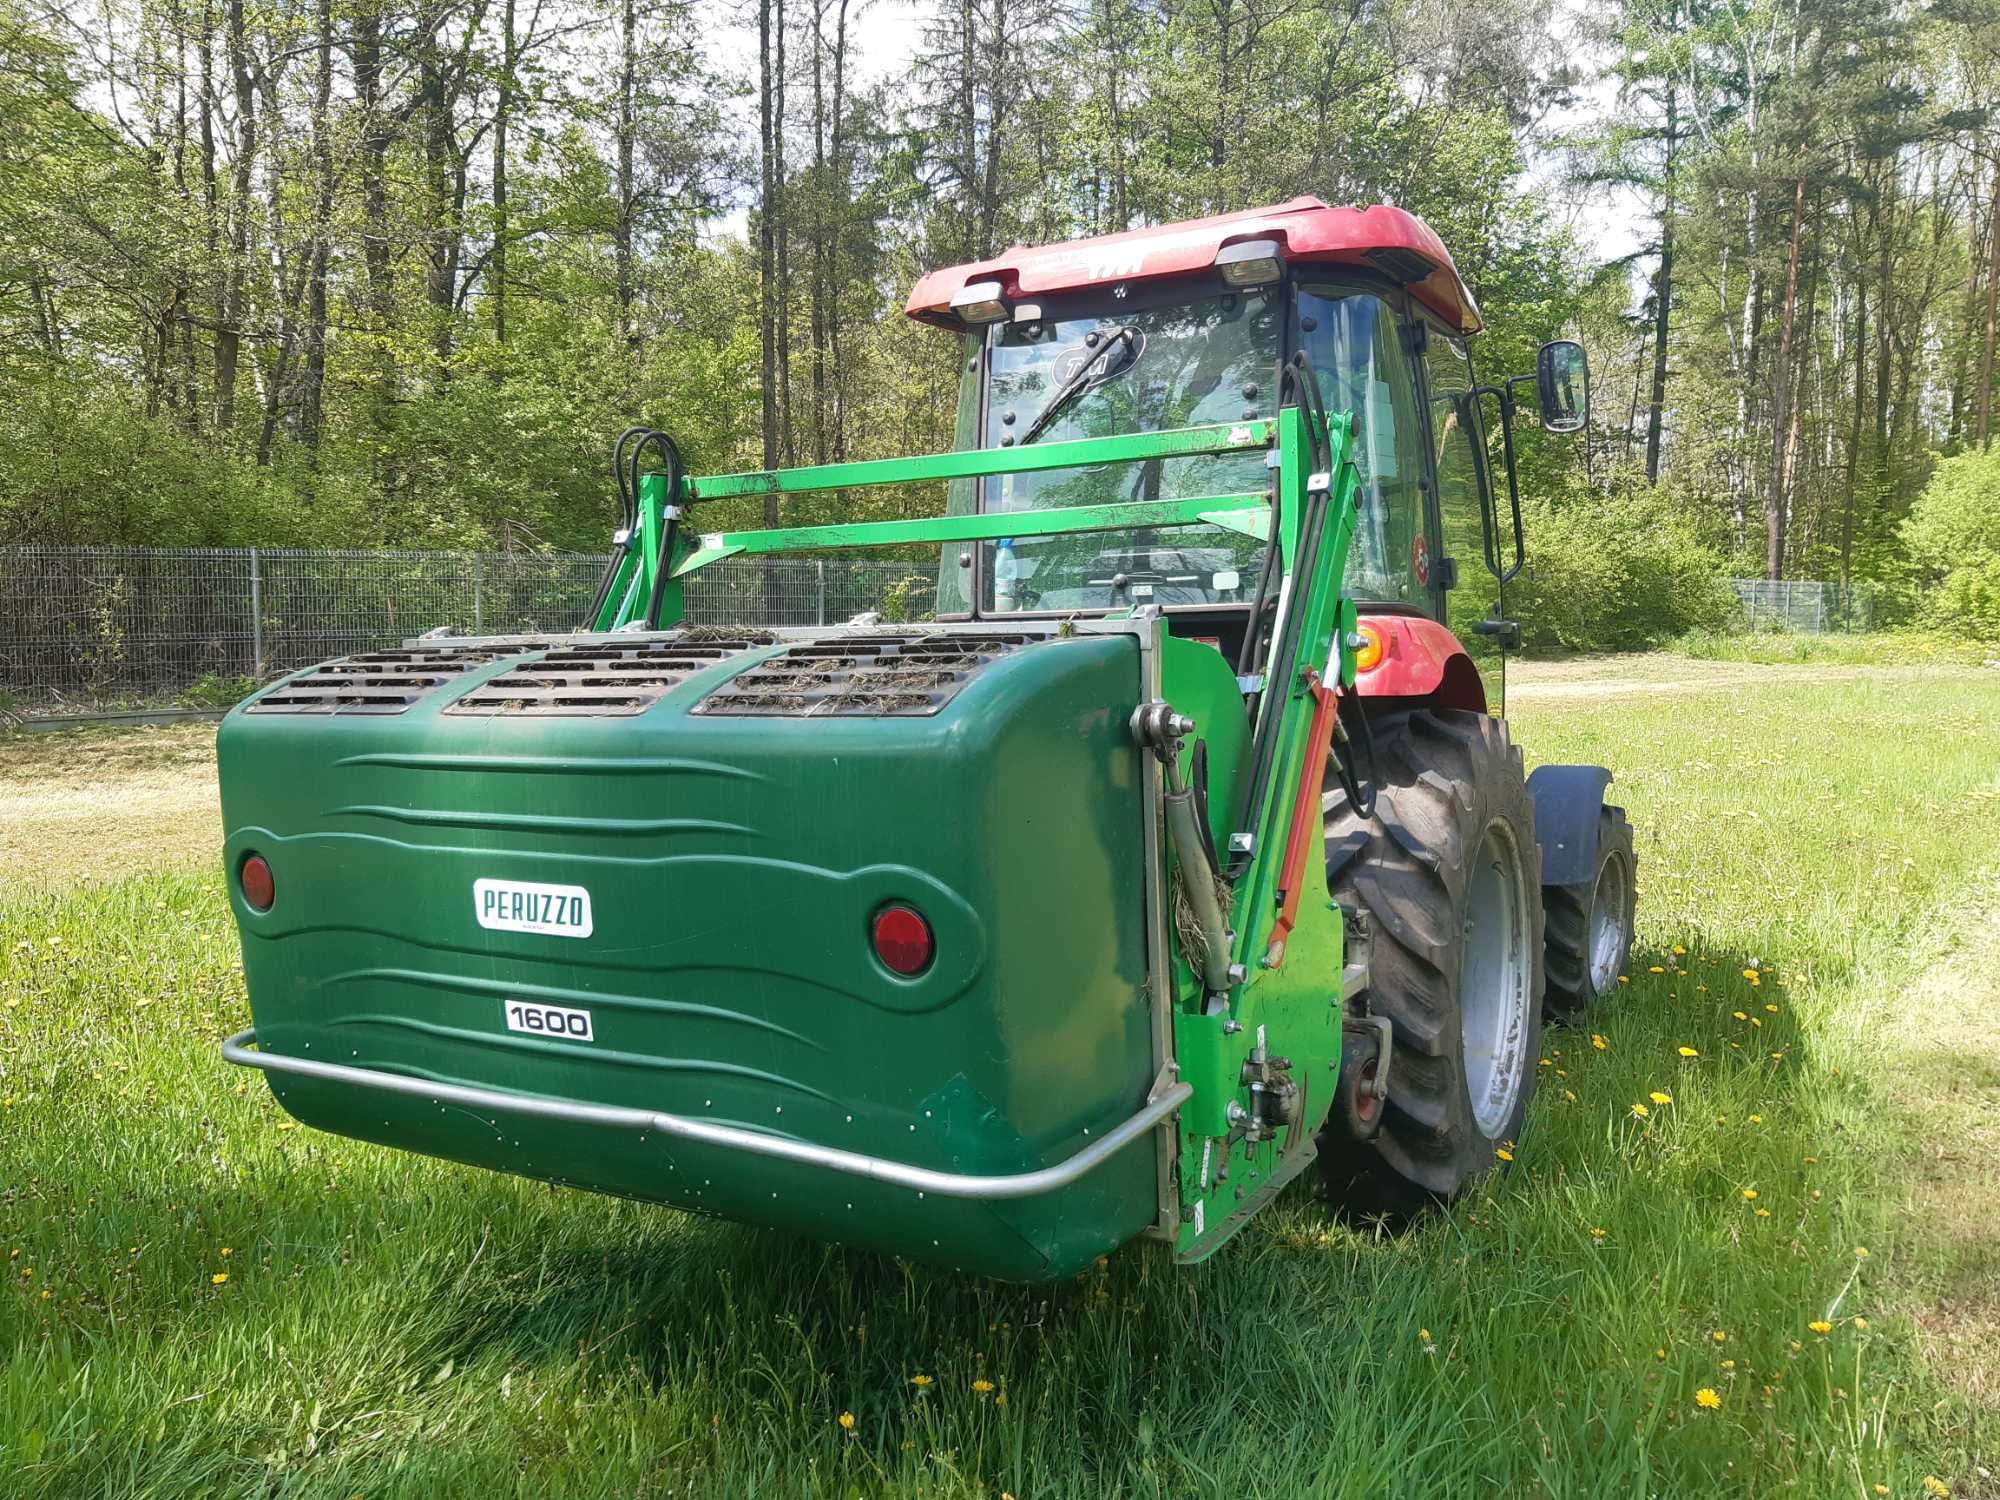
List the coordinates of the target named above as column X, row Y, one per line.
column 1180, row 854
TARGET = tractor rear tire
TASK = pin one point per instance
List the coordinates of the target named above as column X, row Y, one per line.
column 1447, row 873
column 1590, row 924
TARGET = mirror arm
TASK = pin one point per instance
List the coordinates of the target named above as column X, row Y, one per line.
column 1504, row 392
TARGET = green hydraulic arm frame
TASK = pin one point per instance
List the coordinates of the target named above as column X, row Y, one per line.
column 1263, row 1054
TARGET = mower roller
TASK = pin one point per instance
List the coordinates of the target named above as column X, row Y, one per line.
column 1179, row 854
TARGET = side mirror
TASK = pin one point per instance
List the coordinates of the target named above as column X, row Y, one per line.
column 1562, row 381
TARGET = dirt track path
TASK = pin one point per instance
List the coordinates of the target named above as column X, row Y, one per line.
column 1612, row 677
column 97, row 804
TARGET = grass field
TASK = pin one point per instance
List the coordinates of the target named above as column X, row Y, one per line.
column 1781, row 1278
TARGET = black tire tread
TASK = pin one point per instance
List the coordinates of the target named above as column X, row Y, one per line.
column 1567, row 915
column 1443, row 775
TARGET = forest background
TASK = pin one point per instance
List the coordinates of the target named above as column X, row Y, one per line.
column 391, row 272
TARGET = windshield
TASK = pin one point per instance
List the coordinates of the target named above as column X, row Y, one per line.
column 1143, row 368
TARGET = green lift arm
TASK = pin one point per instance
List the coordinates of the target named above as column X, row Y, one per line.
column 1263, row 1057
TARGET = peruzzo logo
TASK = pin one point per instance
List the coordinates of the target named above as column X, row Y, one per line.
column 528, row 906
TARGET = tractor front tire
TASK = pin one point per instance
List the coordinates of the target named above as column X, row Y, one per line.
column 1447, row 874
column 1590, row 923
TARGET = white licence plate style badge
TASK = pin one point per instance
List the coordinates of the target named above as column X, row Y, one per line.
column 528, row 906
column 549, row 1020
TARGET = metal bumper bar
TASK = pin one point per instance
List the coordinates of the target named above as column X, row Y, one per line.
column 1161, row 1104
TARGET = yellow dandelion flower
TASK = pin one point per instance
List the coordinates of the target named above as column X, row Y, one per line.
column 1881, row 1489
column 920, row 1381
column 1719, row 1336
column 1679, row 951
column 1861, row 1324
column 1424, row 1334
column 1659, row 1354
column 1749, row 973
column 1547, row 1063
column 1811, row 1161
column 1772, row 1009
column 1701, row 989
column 1861, row 1252
column 1820, row 1326
column 1639, row 1111
column 1687, row 1052
column 1597, row 1040
column 1935, row 1486
column 1729, row 1364
column 1756, row 1119
column 1596, row 1233
column 1624, row 978
column 1755, row 982
column 1503, row 1153
column 1750, row 1193
column 1741, row 1015
column 1656, row 969
column 1706, row 1399
column 1570, row 1094
column 225, row 1252
column 218, row 1278
column 982, row 1386
column 1001, row 1399
column 846, row 1420
column 1659, row 1098
column 1763, row 1213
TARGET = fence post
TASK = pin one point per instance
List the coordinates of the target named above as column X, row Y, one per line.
column 478, row 594
column 256, row 617
column 819, row 570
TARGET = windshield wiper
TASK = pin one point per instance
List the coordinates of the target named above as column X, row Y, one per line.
column 1070, row 389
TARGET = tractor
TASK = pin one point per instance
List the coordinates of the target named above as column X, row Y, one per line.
column 1182, row 853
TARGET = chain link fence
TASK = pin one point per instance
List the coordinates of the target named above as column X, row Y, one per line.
column 86, row 629
column 1803, row 607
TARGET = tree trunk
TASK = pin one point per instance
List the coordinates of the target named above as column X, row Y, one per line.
column 312, row 392
column 1782, row 434
column 229, row 309
column 1985, row 428
column 375, row 138
column 1663, row 298
column 782, row 243
column 767, row 212
column 503, row 112
column 628, row 64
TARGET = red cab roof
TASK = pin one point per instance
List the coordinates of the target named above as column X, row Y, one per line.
column 1388, row 240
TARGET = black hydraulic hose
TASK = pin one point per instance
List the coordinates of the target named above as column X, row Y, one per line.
column 674, row 470
column 628, row 512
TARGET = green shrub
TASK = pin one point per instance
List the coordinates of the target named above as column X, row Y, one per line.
column 1952, row 537
column 1622, row 573
column 214, row 690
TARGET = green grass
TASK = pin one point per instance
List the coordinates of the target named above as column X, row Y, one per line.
column 392, row 1326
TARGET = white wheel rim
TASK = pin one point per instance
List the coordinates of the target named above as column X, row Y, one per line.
column 1607, row 921
column 1495, row 974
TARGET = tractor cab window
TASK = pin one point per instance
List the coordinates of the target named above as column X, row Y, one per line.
column 1356, row 343
column 1143, row 361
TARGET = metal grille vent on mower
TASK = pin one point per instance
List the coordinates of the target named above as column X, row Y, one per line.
column 379, row 682
column 870, row 676
column 603, row 680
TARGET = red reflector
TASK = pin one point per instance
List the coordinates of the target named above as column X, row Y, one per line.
column 903, row 939
column 258, row 890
